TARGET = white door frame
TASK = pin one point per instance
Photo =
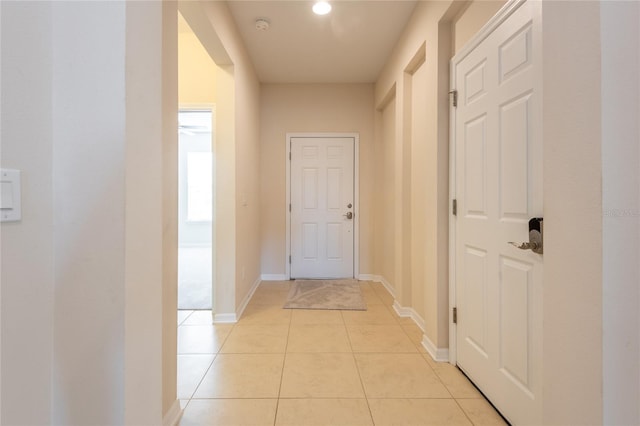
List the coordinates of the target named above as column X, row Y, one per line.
column 356, row 194
column 507, row 10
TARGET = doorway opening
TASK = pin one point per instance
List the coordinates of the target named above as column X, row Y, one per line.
column 195, row 208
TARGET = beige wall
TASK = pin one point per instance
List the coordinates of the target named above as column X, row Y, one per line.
column 224, row 262
column 422, row 178
column 27, row 256
column 311, row 108
column 620, row 30
column 169, row 208
column 247, row 171
column 196, row 71
column 237, row 153
column 89, row 239
column 92, row 276
column 151, row 221
column 572, row 301
column 418, row 69
column 385, row 198
column 470, row 20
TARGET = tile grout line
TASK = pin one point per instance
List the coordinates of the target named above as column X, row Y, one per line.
column 437, row 373
column 355, row 361
column 284, row 360
column 397, row 320
column 202, row 379
column 215, row 356
column 185, row 318
column 463, row 411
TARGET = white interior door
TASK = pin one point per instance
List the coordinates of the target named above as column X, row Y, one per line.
column 322, row 207
column 498, row 187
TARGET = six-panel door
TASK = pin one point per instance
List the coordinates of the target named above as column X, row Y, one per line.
column 499, row 188
column 322, row 199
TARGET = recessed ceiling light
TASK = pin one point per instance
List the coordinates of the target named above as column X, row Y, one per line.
column 321, row 8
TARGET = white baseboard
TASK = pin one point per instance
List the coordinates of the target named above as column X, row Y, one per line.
column 401, row 311
column 173, row 415
column 232, row 318
column 225, row 318
column 369, row 277
column 409, row 313
column 438, row 354
column 247, row 298
column 378, row 279
column 274, row 277
column 388, row 286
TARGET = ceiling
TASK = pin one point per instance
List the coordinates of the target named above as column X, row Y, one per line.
column 349, row 45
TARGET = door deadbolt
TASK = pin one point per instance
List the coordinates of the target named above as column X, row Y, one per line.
column 535, row 237
column 349, row 206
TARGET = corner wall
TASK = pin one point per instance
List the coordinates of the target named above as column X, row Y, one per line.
column 418, row 70
column 384, row 199
column 246, row 268
column 169, row 206
column 572, row 301
column 237, row 148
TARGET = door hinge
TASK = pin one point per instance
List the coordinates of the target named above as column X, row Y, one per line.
column 455, row 315
column 454, row 207
column 289, row 207
column 454, row 97
column 289, row 156
column 289, row 259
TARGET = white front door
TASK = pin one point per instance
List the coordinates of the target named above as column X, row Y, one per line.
column 322, row 207
column 498, row 187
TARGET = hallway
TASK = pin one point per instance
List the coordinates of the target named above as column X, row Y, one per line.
column 304, row 367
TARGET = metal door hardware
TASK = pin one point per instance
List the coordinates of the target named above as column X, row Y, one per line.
column 348, row 215
column 535, row 237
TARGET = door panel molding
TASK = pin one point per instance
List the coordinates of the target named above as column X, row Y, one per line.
column 356, row 194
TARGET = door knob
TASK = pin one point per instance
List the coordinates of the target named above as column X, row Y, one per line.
column 348, row 215
column 535, row 237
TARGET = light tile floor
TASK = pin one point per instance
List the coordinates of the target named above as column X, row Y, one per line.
column 305, row 367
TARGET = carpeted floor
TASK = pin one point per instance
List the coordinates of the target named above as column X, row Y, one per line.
column 194, row 278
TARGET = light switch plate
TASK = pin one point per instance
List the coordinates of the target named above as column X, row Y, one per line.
column 10, row 203
column 6, row 195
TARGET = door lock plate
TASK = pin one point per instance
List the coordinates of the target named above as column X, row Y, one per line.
column 535, row 237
